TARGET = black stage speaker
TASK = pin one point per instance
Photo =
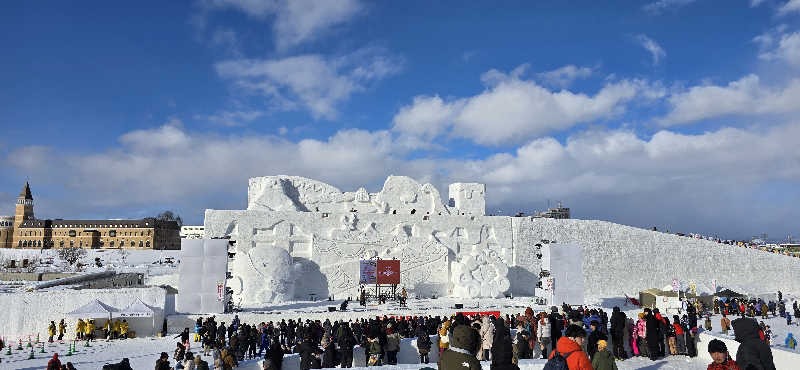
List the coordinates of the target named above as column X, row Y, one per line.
column 459, row 306
column 331, row 309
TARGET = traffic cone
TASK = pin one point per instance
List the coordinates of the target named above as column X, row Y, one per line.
column 31, row 357
column 9, row 350
column 19, row 347
column 69, row 351
column 42, row 351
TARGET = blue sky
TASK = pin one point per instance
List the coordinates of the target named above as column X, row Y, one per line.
column 675, row 113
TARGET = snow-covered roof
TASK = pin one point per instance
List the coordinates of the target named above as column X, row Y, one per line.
column 93, row 309
column 137, row 309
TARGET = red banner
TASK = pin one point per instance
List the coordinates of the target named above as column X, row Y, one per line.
column 388, row 271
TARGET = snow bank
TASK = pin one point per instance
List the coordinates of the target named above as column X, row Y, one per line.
column 622, row 259
column 30, row 313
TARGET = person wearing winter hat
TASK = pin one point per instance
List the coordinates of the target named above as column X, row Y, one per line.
column 721, row 360
column 753, row 351
column 603, row 360
column 54, row 363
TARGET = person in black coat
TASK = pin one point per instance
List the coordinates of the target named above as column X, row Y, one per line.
column 275, row 353
column 502, row 351
column 618, row 324
column 652, row 335
column 753, row 352
column 555, row 325
column 596, row 335
column 308, row 353
column 423, row 345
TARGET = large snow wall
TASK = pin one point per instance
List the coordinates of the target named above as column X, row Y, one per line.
column 29, row 313
column 621, row 259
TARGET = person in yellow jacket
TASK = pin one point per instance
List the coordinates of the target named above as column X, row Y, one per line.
column 115, row 329
column 51, row 331
column 123, row 329
column 80, row 328
column 62, row 329
column 89, row 332
column 444, row 341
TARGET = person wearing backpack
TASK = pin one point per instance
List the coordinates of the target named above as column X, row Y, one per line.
column 568, row 354
column 423, row 345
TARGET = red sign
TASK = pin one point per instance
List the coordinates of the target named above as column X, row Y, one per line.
column 388, row 271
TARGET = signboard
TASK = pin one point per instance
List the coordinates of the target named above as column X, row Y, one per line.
column 548, row 284
column 713, row 285
column 388, row 271
column 676, row 285
column 367, row 273
column 496, row 314
column 692, row 287
column 220, row 291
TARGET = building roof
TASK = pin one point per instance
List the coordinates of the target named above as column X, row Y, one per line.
column 26, row 192
column 142, row 223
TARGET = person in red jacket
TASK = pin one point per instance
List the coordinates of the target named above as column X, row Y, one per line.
column 569, row 346
column 721, row 360
column 54, row 363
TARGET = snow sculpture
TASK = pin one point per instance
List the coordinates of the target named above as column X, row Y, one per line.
column 264, row 275
column 326, row 231
column 481, row 274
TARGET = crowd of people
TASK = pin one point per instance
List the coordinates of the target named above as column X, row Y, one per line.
column 578, row 338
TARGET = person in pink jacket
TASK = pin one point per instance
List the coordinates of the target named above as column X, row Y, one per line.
column 639, row 344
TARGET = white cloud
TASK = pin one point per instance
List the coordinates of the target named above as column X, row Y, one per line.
column 789, row 7
column 655, row 50
column 781, row 46
column 660, row 6
column 746, row 96
column 232, row 118
column 564, row 76
column 303, row 20
column 512, row 110
column 295, row 21
column 654, row 180
column 755, row 3
column 427, row 116
column 314, row 82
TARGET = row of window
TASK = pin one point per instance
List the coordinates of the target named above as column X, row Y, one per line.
column 38, row 244
column 112, row 233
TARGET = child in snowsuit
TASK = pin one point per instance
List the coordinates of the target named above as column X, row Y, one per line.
column 603, row 360
column 790, row 342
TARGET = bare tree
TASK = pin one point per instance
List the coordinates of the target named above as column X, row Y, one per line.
column 70, row 255
column 170, row 216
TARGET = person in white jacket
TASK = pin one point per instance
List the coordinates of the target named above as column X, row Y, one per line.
column 543, row 334
column 487, row 337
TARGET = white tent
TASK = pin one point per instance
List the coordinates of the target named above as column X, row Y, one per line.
column 93, row 310
column 139, row 309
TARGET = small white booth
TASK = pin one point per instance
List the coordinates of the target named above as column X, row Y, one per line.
column 139, row 309
column 93, row 310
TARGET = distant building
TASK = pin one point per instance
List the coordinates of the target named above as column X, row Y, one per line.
column 557, row 213
column 26, row 231
column 193, row 232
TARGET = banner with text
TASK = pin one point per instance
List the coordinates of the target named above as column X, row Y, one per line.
column 368, row 272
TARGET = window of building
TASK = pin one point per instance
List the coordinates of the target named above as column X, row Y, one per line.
column 111, row 244
column 72, row 233
column 147, row 244
column 140, row 243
